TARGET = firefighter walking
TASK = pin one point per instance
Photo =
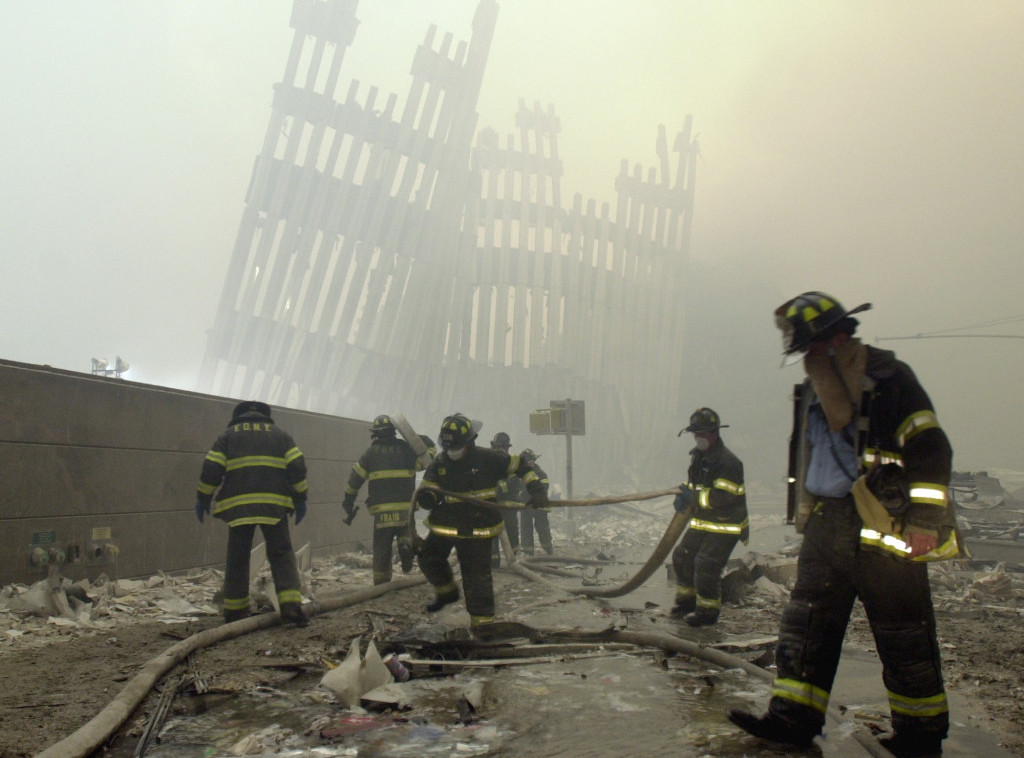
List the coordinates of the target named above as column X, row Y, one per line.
column 255, row 475
column 715, row 496
column 389, row 464
column 860, row 413
column 535, row 518
column 464, row 468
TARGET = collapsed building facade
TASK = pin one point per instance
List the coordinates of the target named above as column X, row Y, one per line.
column 400, row 258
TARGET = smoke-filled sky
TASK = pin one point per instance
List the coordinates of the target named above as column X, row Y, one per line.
column 869, row 149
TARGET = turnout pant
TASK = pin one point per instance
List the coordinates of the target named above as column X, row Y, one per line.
column 535, row 518
column 511, row 518
column 833, row 570
column 474, row 554
column 386, row 532
column 282, row 567
column 698, row 561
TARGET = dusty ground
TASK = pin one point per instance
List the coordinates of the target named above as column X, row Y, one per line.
column 58, row 677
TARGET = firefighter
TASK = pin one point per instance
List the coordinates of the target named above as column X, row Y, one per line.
column 389, row 464
column 511, row 492
column 860, row 411
column 715, row 496
column 536, row 517
column 463, row 467
column 261, row 476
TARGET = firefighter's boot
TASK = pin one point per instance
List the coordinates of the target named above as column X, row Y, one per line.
column 913, row 745
column 684, row 606
column 702, row 617
column 293, row 614
column 230, row 616
column 443, row 599
column 772, row 728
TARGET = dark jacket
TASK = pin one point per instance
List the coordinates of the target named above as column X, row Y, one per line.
column 902, row 428
column 389, row 465
column 258, row 469
column 715, row 478
column 478, row 474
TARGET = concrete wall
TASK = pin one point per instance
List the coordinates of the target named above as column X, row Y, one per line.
column 106, row 470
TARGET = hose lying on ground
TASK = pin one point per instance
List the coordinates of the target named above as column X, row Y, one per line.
column 91, row 736
column 675, row 528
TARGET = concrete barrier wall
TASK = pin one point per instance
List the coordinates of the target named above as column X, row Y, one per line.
column 105, row 470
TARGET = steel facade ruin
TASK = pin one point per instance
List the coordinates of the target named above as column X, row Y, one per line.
column 398, row 257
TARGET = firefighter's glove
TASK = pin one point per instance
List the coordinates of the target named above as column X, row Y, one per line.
column 682, row 501
column 349, row 504
column 300, row 511
column 427, row 498
column 201, row 510
column 539, row 499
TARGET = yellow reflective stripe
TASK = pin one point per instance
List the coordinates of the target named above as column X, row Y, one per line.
column 360, row 471
column 388, row 507
column 714, row 526
column 491, row 493
column 889, row 542
column 921, row 707
column 451, row 531
column 709, row 602
column 703, row 497
column 216, row 457
column 293, row 454
column 393, row 473
column 479, row 620
column 207, row 489
column 300, row 487
column 948, row 549
column 731, row 487
column 803, row 693
column 236, row 603
column 914, row 424
column 270, row 520
column 530, row 476
column 882, row 456
column 928, row 493
column 270, row 461
column 289, row 596
column 252, row 498
column 446, row 589
column 383, row 575
column 685, row 592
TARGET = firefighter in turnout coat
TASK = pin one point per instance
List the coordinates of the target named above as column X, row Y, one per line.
column 715, row 495
column 389, row 464
column 870, row 467
column 254, row 475
column 463, row 467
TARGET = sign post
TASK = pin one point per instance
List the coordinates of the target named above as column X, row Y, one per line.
column 566, row 417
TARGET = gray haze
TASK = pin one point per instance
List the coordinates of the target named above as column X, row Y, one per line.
column 870, row 149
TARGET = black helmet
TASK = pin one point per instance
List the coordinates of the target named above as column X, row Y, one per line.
column 457, row 431
column 813, row 317
column 251, row 406
column 704, row 420
column 528, row 455
column 501, row 441
column 383, row 426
